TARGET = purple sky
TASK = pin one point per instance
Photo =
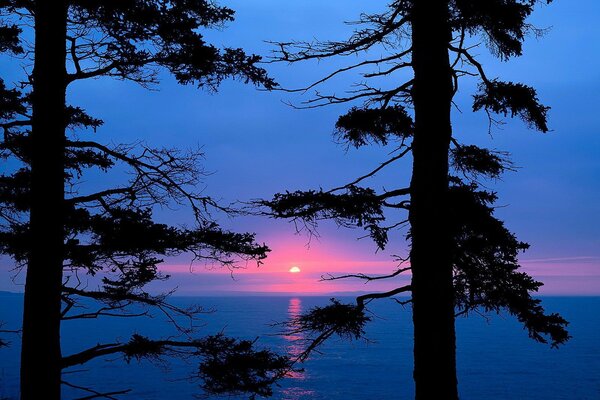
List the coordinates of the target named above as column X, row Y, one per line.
column 257, row 146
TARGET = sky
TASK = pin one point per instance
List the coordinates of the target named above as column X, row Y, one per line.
column 256, row 145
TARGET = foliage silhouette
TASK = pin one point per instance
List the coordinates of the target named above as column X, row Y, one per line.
column 462, row 258
column 67, row 234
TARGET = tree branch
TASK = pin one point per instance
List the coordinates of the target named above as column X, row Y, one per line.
column 363, row 300
column 373, row 172
column 79, row 75
column 99, row 195
column 361, row 41
column 473, row 62
column 102, row 350
column 95, row 394
column 365, row 277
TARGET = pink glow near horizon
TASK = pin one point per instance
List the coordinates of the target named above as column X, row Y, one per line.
column 565, row 276
column 321, row 257
column 562, row 276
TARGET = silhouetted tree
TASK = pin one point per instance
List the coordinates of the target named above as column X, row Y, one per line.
column 60, row 234
column 461, row 256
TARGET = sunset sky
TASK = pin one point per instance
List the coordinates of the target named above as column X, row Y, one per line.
column 256, row 146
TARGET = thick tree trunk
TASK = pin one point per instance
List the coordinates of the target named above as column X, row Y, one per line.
column 433, row 297
column 40, row 357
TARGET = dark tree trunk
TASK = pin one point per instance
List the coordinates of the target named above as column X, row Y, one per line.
column 433, row 297
column 40, row 357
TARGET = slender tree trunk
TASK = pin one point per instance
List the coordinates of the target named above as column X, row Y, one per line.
column 40, row 357
column 433, row 295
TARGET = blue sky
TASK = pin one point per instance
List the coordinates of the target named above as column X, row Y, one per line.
column 256, row 145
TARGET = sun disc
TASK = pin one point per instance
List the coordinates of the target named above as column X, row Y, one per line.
column 294, row 270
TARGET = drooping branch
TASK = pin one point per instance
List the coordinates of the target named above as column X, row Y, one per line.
column 320, row 323
column 515, row 99
column 344, row 320
column 486, row 266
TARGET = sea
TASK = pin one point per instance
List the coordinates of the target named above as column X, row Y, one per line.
column 496, row 360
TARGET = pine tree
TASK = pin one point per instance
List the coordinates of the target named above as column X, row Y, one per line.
column 60, row 235
column 461, row 256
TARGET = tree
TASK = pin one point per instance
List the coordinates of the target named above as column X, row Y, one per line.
column 461, row 256
column 58, row 233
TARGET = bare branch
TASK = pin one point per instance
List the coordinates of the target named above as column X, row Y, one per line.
column 349, row 68
column 95, row 394
column 161, row 168
column 394, row 193
column 373, row 172
column 167, row 309
column 99, row 195
column 365, row 277
column 105, row 312
column 402, row 302
column 363, row 300
column 79, row 75
column 388, row 71
column 473, row 62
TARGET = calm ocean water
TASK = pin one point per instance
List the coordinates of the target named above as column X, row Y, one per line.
column 496, row 359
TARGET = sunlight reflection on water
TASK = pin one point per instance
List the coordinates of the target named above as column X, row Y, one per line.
column 294, row 348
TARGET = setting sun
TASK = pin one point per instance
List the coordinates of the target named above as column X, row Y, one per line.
column 294, row 270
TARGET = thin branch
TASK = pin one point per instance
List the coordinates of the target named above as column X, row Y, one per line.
column 365, row 277
column 374, row 95
column 395, row 193
column 98, row 195
column 74, row 57
column 156, row 301
column 95, row 394
column 103, row 313
column 388, row 71
column 349, row 68
column 79, row 75
column 164, row 173
column 405, row 205
column 473, row 62
column 373, row 172
column 402, row 302
column 361, row 301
